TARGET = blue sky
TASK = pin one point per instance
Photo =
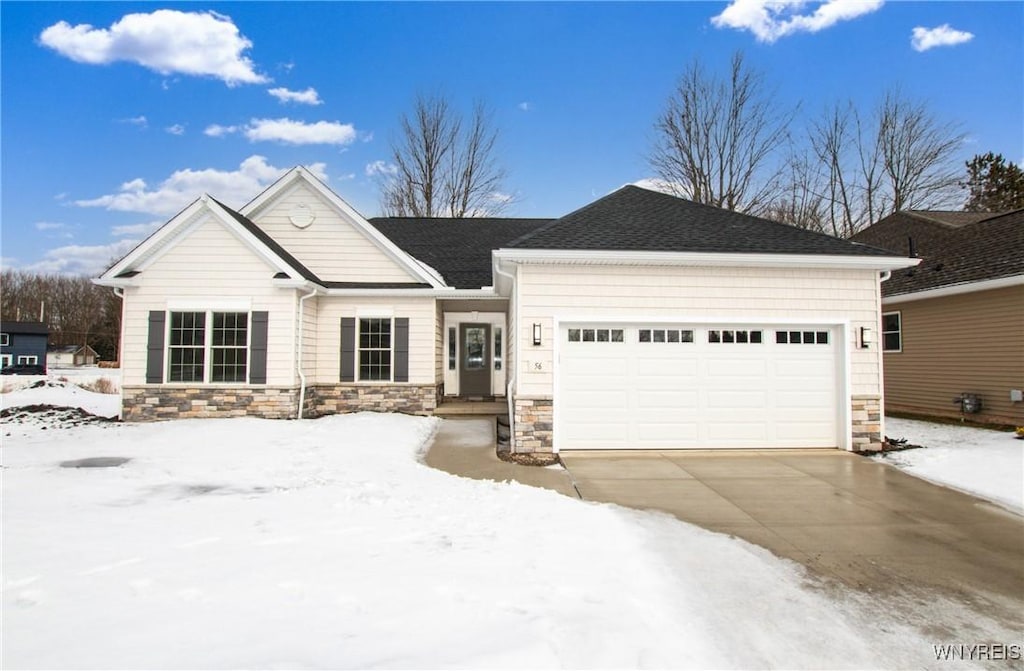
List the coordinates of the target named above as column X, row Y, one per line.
column 112, row 122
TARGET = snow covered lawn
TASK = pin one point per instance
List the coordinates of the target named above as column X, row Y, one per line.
column 986, row 463
column 326, row 543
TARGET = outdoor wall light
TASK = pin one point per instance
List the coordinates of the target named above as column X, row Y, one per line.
column 536, row 335
column 866, row 337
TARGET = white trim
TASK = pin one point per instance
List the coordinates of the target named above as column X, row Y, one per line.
column 882, row 332
column 407, row 261
column 374, row 313
column 496, row 320
column 5, row 339
column 645, row 258
column 181, row 225
column 211, row 305
column 956, row 289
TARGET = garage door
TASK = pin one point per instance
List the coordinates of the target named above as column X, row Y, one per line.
column 646, row 386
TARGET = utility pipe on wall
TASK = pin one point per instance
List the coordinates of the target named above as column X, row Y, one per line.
column 298, row 362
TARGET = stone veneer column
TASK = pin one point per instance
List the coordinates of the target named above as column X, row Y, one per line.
column 867, row 423
column 533, row 425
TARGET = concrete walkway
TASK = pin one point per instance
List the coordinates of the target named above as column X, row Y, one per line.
column 466, row 447
column 946, row 560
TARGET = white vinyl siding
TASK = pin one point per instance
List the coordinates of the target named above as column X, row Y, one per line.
column 203, row 270
column 421, row 313
column 331, row 246
column 813, row 296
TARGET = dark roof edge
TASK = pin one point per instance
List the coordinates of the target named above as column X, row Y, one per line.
column 270, row 243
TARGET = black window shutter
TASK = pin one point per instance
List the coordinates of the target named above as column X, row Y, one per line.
column 348, row 349
column 155, row 347
column 401, row 349
column 258, row 348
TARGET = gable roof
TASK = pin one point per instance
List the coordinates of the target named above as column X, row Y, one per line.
column 989, row 249
column 25, row 328
column 637, row 219
column 928, row 229
column 459, row 249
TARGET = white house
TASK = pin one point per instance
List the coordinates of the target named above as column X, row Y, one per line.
column 639, row 321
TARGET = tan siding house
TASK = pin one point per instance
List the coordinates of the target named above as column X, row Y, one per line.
column 953, row 328
column 640, row 321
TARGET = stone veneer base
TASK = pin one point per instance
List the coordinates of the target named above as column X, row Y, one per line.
column 156, row 402
column 866, row 418
column 149, row 403
column 533, row 425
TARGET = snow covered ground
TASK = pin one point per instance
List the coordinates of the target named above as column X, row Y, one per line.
column 986, row 463
column 327, row 543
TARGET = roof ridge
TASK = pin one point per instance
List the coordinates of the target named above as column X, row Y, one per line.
column 554, row 222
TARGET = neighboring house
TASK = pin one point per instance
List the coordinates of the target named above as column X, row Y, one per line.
column 639, row 321
column 23, row 343
column 70, row 356
column 953, row 327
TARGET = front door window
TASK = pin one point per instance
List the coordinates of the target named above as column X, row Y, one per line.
column 475, row 360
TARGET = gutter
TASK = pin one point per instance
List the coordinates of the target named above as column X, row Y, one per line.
column 298, row 359
column 510, row 384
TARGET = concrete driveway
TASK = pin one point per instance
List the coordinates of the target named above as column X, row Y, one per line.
column 848, row 518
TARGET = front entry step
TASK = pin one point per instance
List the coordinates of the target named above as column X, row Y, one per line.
column 464, row 408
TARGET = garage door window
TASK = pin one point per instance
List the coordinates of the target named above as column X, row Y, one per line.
column 595, row 335
column 664, row 335
column 801, row 337
column 730, row 337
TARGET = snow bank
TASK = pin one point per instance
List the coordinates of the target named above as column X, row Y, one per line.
column 986, row 463
column 62, row 394
column 326, row 543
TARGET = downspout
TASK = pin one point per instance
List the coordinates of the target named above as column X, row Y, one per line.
column 509, row 383
column 884, row 275
column 298, row 363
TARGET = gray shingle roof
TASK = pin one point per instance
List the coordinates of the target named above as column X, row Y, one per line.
column 459, row 249
column 28, row 328
column 989, row 249
column 636, row 219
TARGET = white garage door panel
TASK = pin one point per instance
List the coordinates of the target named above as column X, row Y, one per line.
column 664, row 392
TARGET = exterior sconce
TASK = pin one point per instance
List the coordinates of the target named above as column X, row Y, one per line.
column 536, row 335
column 866, row 337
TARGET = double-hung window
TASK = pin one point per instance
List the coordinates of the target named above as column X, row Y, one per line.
column 892, row 332
column 375, row 348
column 208, row 347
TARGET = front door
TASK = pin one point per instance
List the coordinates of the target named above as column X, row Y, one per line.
column 474, row 360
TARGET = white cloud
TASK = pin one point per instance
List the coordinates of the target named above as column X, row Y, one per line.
column 140, row 121
column 380, row 167
column 49, row 226
column 307, row 97
column 176, row 129
column 81, row 259
column 216, row 130
column 770, row 20
column 166, row 41
column 923, row 39
column 525, row 106
column 234, row 188
column 289, row 131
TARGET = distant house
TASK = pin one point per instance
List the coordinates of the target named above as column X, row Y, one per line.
column 70, row 356
column 23, row 343
column 953, row 327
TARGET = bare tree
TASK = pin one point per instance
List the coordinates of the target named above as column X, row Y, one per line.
column 899, row 157
column 76, row 311
column 716, row 138
column 443, row 166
